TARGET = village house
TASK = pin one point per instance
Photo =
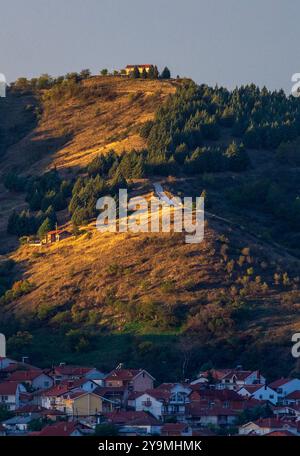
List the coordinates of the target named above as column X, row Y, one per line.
column 55, row 236
column 233, row 379
column 152, row 401
column 292, row 398
column 168, row 400
column 10, row 394
column 67, row 372
column 259, row 392
column 265, row 426
column 82, row 403
column 285, row 386
column 34, row 378
column 198, row 415
column 130, row 379
column 133, row 422
column 54, row 397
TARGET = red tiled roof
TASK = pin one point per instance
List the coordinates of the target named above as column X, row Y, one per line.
column 59, row 429
column 279, row 382
column 294, row 395
column 8, row 388
column 252, row 388
column 273, row 423
column 159, row 394
column 279, row 434
column 72, row 370
column 173, row 428
column 57, row 390
column 23, row 376
column 123, row 374
column 128, row 417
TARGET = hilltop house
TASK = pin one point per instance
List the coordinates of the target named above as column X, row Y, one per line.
column 130, row 68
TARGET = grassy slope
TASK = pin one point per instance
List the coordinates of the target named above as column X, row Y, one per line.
column 71, row 133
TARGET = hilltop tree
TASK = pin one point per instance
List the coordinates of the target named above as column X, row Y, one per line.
column 144, row 74
column 104, row 72
column 85, row 74
column 151, row 72
column 155, row 72
column 165, row 74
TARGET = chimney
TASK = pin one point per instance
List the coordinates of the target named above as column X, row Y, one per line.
column 25, row 359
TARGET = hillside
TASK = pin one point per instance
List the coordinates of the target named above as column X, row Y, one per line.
column 152, row 299
column 70, row 130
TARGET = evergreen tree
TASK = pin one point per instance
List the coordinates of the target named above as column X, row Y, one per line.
column 45, row 227
column 135, row 74
column 165, row 74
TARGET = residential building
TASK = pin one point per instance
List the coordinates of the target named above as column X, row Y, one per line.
column 130, row 379
column 259, row 392
column 34, row 378
column 285, row 386
column 10, row 394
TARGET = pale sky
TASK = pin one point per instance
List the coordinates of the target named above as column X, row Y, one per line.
column 229, row 42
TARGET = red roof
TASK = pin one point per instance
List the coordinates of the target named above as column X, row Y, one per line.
column 72, row 370
column 294, row 395
column 8, row 388
column 279, row 434
column 159, row 394
column 279, row 382
column 147, row 65
column 252, row 388
column 122, row 417
column 23, row 376
column 173, row 428
column 273, row 423
column 57, row 390
column 59, row 429
column 124, row 374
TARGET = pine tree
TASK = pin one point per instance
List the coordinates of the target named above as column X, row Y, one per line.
column 151, row 72
column 144, row 74
column 135, row 73
column 45, row 227
column 165, row 74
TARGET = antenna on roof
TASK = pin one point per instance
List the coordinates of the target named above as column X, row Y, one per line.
column 120, row 366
